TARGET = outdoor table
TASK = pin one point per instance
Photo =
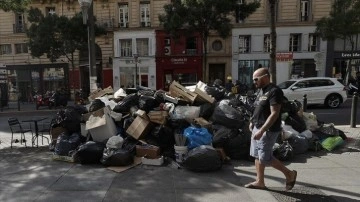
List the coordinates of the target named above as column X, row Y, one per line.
column 35, row 120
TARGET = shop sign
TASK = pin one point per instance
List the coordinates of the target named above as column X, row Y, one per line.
column 178, row 60
column 284, row 56
column 349, row 55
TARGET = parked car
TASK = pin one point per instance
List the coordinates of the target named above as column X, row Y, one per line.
column 318, row 90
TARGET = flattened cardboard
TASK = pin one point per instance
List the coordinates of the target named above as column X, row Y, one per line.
column 120, row 169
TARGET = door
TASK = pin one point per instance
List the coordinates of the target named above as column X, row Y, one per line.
column 216, row 71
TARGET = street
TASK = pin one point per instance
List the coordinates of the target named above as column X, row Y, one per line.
column 338, row 116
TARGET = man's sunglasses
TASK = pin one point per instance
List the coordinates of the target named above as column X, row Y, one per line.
column 259, row 77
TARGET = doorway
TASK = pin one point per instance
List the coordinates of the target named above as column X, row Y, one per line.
column 216, row 71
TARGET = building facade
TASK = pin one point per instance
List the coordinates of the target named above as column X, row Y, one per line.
column 296, row 38
column 26, row 74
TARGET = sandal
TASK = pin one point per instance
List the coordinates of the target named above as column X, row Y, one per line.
column 290, row 185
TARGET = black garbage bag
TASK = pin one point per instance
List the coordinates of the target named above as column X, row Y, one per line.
column 90, row 152
column 124, row 105
column 299, row 144
column 227, row 116
column 66, row 143
column 216, row 92
column 129, row 144
column 238, row 145
column 206, row 110
column 159, row 95
column 147, row 103
column 96, row 105
column 70, row 118
column 116, row 157
column 284, row 152
column 296, row 122
column 290, row 106
column 222, row 135
column 163, row 137
column 202, row 159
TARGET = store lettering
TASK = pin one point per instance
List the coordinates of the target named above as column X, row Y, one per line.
column 347, row 55
column 178, row 60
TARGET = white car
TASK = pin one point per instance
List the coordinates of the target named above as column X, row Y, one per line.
column 318, row 90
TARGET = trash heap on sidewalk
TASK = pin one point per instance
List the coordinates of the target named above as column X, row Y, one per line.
column 198, row 127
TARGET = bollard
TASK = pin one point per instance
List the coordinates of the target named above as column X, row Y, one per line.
column 353, row 110
column 304, row 103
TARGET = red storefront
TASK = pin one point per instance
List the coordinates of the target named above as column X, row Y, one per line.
column 178, row 59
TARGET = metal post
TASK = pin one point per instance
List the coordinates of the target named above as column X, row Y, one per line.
column 136, row 57
column 353, row 110
column 304, row 103
column 91, row 44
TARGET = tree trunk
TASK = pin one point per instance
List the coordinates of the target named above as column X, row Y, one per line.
column 272, row 68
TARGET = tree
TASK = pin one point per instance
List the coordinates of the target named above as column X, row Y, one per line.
column 56, row 36
column 272, row 68
column 343, row 23
column 204, row 16
column 14, row 5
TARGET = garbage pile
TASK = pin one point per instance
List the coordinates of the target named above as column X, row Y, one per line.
column 199, row 127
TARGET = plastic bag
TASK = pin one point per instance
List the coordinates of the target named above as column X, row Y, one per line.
column 90, row 152
column 284, row 152
column 202, row 158
column 310, row 121
column 227, row 116
column 197, row 137
column 331, row 142
column 66, row 143
column 115, row 142
column 116, row 157
column 185, row 112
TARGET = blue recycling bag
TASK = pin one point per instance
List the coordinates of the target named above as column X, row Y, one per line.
column 197, row 136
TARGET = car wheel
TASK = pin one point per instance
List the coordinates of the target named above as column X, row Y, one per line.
column 333, row 101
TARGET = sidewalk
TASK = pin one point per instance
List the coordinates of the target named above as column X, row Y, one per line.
column 29, row 174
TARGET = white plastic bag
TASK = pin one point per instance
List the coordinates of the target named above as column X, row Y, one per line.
column 310, row 121
column 115, row 142
column 288, row 131
column 185, row 112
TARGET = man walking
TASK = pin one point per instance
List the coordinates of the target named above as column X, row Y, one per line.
column 265, row 125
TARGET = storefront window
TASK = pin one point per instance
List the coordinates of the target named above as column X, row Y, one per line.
column 246, row 69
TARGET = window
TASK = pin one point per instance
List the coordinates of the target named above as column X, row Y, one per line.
column 314, row 43
column 191, row 46
column 50, row 11
column 244, row 44
column 267, row 43
column 125, row 48
column 21, row 48
column 142, row 46
column 19, row 26
column 5, row 49
column 145, row 14
column 304, row 10
column 295, row 42
column 123, row 15
column 217, row 45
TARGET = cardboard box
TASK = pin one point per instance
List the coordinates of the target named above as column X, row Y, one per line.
column 100, row 92
column 63, row 158
column 138, row 128
column 55, row 132
column 148, row 151
column 154, row 162
column 101, row 126
column 177, row 90
column 203, row 123
column 159, row 117
column 199, row 90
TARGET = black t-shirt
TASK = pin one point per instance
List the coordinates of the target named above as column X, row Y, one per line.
column 269, row 95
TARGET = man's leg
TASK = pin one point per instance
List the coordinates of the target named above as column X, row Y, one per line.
column 289, row 174
column 260, row 169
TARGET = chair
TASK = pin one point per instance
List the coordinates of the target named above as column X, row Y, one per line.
column 16, row 127
column 46, row 128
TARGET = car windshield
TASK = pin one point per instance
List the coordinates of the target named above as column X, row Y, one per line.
column 286, row 84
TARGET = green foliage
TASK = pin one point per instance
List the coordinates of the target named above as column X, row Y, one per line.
column 202, row 16
column 343, row 21
column 57, row 36
column 14, row 5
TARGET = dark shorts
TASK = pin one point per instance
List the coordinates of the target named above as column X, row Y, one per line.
column 263, row 149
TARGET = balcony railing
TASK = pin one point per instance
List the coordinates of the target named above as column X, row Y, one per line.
column 19, row 28
column 107, row 23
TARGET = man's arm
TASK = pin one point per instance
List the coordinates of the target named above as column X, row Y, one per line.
column 275, row 113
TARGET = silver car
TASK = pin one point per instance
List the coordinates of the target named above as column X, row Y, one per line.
column 318, row 90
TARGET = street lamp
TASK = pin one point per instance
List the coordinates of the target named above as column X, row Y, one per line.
column 136, row 57
column 88, row 18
